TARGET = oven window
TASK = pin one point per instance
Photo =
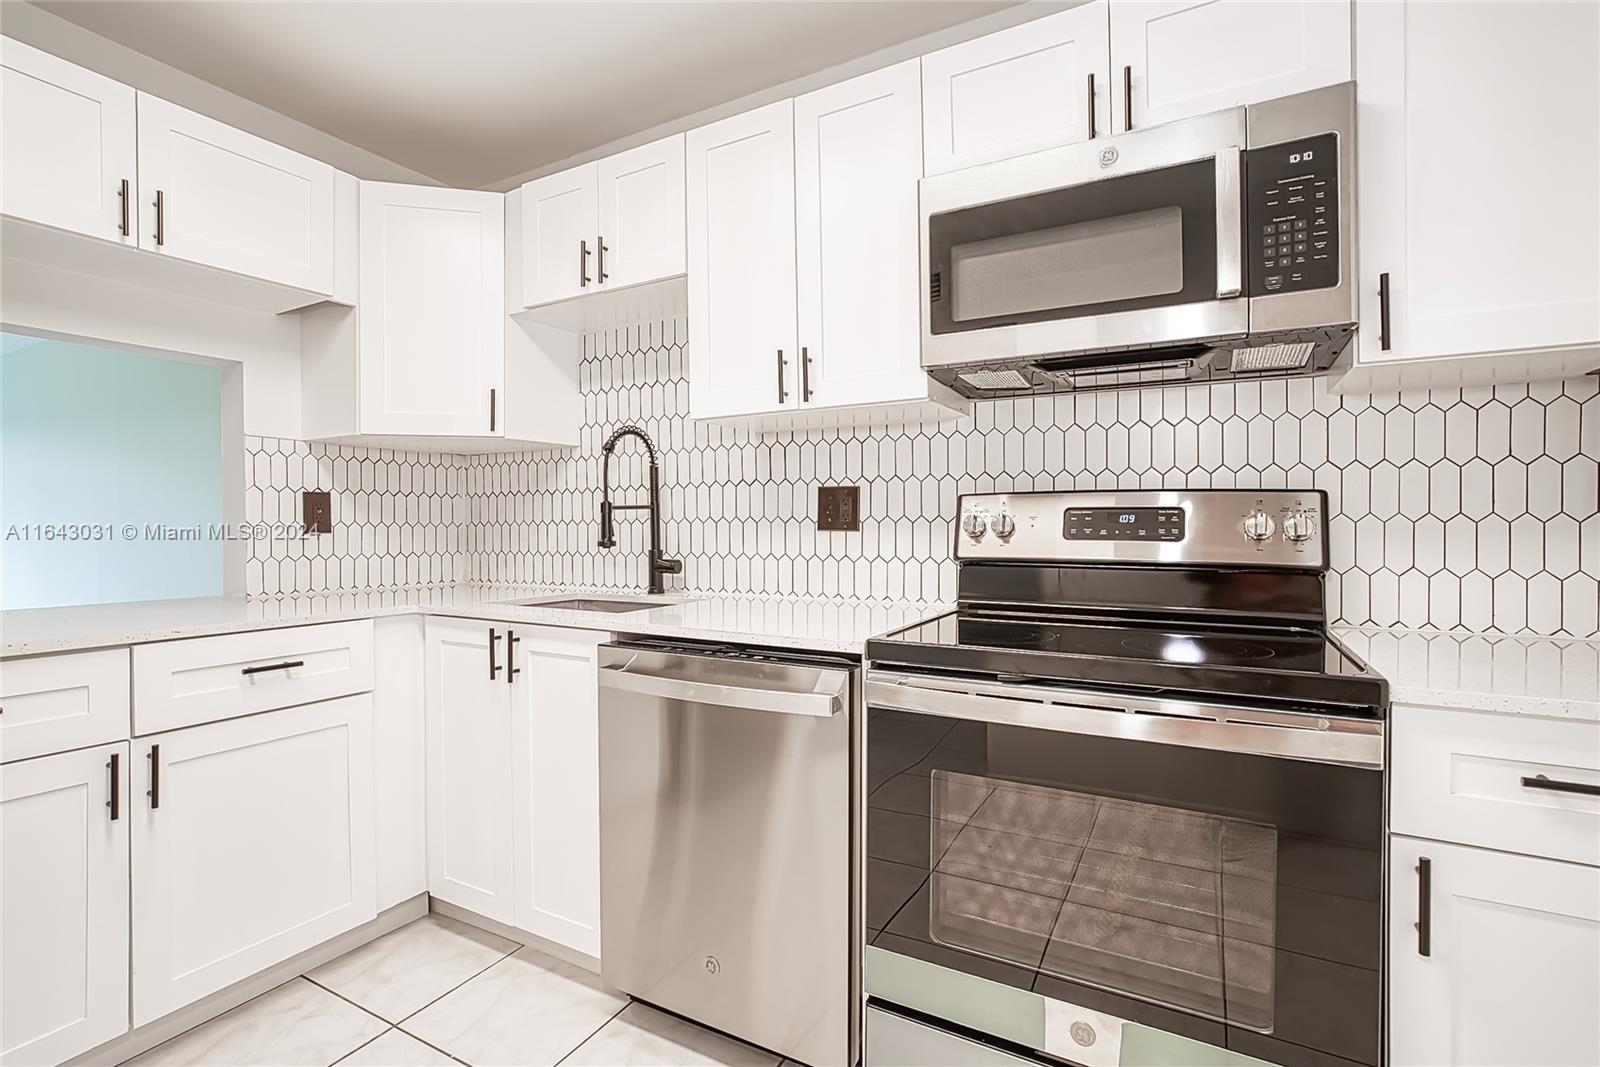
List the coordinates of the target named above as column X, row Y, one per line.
column 1172, row 906
column 1085, row 263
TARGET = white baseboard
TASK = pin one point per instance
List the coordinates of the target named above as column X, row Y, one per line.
column 550, row 948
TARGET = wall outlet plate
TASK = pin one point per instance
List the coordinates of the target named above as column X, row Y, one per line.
column 839, row 507
column 316, row 511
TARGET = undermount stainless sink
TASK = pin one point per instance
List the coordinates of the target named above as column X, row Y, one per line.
column 594, row 604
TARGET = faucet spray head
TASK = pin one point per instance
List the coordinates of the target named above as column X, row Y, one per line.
column 608, row 536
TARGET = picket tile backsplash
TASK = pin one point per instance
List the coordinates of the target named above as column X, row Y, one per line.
column 1456, row 508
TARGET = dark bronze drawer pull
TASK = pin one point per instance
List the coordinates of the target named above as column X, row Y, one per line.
column 494, row 643
column 154, row 792
column 284, row 666
column 1424, row 923
column 115, row 803
column 512, row 670
column 1556, row 785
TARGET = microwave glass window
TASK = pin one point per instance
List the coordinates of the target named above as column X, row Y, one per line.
column 1078, row 265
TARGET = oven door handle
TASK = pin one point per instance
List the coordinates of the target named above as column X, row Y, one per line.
column 1220, row 727
column 1230, row 224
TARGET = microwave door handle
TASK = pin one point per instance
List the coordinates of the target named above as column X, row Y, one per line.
column 1230, row 225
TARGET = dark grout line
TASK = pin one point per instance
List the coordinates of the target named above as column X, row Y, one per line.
column 592, row 1033
column 347, row 1000
column 363, row 1044
column 457, row 986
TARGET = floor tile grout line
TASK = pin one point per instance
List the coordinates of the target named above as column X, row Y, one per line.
column 363, row 1044
column 430, row 1044
column 609, row 1020
column 459, row 984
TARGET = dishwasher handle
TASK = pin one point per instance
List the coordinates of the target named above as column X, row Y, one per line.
column 828, row 696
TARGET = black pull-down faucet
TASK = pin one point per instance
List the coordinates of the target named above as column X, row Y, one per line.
column 659, row 564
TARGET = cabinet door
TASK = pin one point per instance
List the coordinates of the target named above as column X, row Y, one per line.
column 642, row 214
column 858, row 156
column 252, row 841
column 67, row 144
column 1487, row 247
column 1512, row 974
column 1253, row 52
column 232, row 200
column 399, row 748
column 63, row 904
column 431, row 311
column 468, row 714
column 741, row 264
column 560, row 227
column 555, row 726
column 1017, row 91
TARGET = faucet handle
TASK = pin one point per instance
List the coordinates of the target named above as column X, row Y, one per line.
column 663, row 565
column 608, row 536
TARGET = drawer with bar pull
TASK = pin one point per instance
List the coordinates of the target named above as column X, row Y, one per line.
column 206, row 679
column 1511, row 782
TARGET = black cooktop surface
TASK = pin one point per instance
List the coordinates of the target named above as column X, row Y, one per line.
column 1280, row 662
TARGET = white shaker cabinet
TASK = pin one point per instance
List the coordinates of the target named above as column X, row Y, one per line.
column 468, row 713
column 252, row 841
column 555, row 763
column 68, row 148
column 63, row 903
column 1252, row 52
column 560, row 225
column 1479, row 161
column 218, row 196
column 1019, row 90
column 1506, row 966
column 743, row 352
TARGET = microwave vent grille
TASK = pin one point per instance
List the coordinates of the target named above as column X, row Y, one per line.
column 1277, row 357
column 995, row 381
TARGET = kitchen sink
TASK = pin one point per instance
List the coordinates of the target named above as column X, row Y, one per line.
column 594, row 604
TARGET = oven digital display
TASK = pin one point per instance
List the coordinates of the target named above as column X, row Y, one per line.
column 1123, row 524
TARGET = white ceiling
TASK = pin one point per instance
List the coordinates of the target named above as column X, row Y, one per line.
column 472, row 94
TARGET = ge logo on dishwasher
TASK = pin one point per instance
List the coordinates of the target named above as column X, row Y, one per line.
column 1108, row 155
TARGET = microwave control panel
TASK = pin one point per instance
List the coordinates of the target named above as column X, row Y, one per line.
column 1292, row 215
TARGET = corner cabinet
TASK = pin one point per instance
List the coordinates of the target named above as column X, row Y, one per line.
column 63, row 903
column 1472, row 243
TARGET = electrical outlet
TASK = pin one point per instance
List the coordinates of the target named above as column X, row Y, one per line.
column 839, row 507
column 316, row 511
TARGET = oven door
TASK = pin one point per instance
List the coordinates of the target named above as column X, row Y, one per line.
column 1123, row 242
column 1104, row 877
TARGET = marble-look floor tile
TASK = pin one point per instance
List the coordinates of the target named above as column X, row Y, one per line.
column 396, row 1049
column 529, row 1009
column 641, row 1036
column 295, row 1025
column 405, row 970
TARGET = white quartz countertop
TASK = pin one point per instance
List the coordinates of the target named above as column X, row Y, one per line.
column 1550, row 676
column 816, row 625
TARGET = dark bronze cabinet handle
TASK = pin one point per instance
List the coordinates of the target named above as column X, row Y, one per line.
column 1383, row 311
column 125, row 194
column 491, row 411
column 288, row 664
column 805, row 374
column 154, row 792
column 583, row 264
column 115, row 803
column 512, row 670
column 783, row 394
column 494, row 643
column 1091, row 106
column 1556, row 785
column 1127, row 98
column 1424, row 923
column 161, row 218
column 600, row 260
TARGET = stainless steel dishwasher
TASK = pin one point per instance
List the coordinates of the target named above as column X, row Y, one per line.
column 728, row 849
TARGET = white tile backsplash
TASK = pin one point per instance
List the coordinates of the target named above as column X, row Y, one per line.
column 1457, row 508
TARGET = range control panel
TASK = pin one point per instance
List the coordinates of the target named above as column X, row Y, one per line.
column 1292, row 215
column 1184, row 527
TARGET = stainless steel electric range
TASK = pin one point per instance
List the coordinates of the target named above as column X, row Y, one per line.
column 1129, row 795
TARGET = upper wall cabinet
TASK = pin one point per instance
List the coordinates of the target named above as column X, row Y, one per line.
column 1041, row 84
column 215, row 195
column 1252, row 52
column 69, row 158
column 1473, row 241
column 603, row 227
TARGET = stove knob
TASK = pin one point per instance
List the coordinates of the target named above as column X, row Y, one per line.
column 1298, row 527
column 1258, row 525
column 1003, row 525
column 975, row 525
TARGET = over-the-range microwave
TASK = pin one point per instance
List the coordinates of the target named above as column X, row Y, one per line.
column 1212, row 247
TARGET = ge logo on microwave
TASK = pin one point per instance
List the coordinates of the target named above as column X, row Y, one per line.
column 1108, row 155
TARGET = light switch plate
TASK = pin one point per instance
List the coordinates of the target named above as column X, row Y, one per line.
column 839, row 507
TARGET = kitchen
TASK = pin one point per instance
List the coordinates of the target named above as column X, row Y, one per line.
column 685, row 602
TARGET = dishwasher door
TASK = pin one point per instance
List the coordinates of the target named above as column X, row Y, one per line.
column 726, row 847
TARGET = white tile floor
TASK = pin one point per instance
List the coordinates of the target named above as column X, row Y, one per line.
column 439, row 992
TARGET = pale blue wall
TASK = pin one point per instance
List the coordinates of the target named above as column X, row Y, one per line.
column 94, row 435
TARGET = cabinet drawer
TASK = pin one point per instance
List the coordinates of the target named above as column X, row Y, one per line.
column 54, row 703
column 1459, row 776
column 182, row 683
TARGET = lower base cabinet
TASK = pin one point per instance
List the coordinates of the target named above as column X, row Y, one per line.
column 63, row 903
column 1493, row 958
column 252, row 841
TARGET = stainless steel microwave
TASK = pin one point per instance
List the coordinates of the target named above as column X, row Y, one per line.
column 1211, row 247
